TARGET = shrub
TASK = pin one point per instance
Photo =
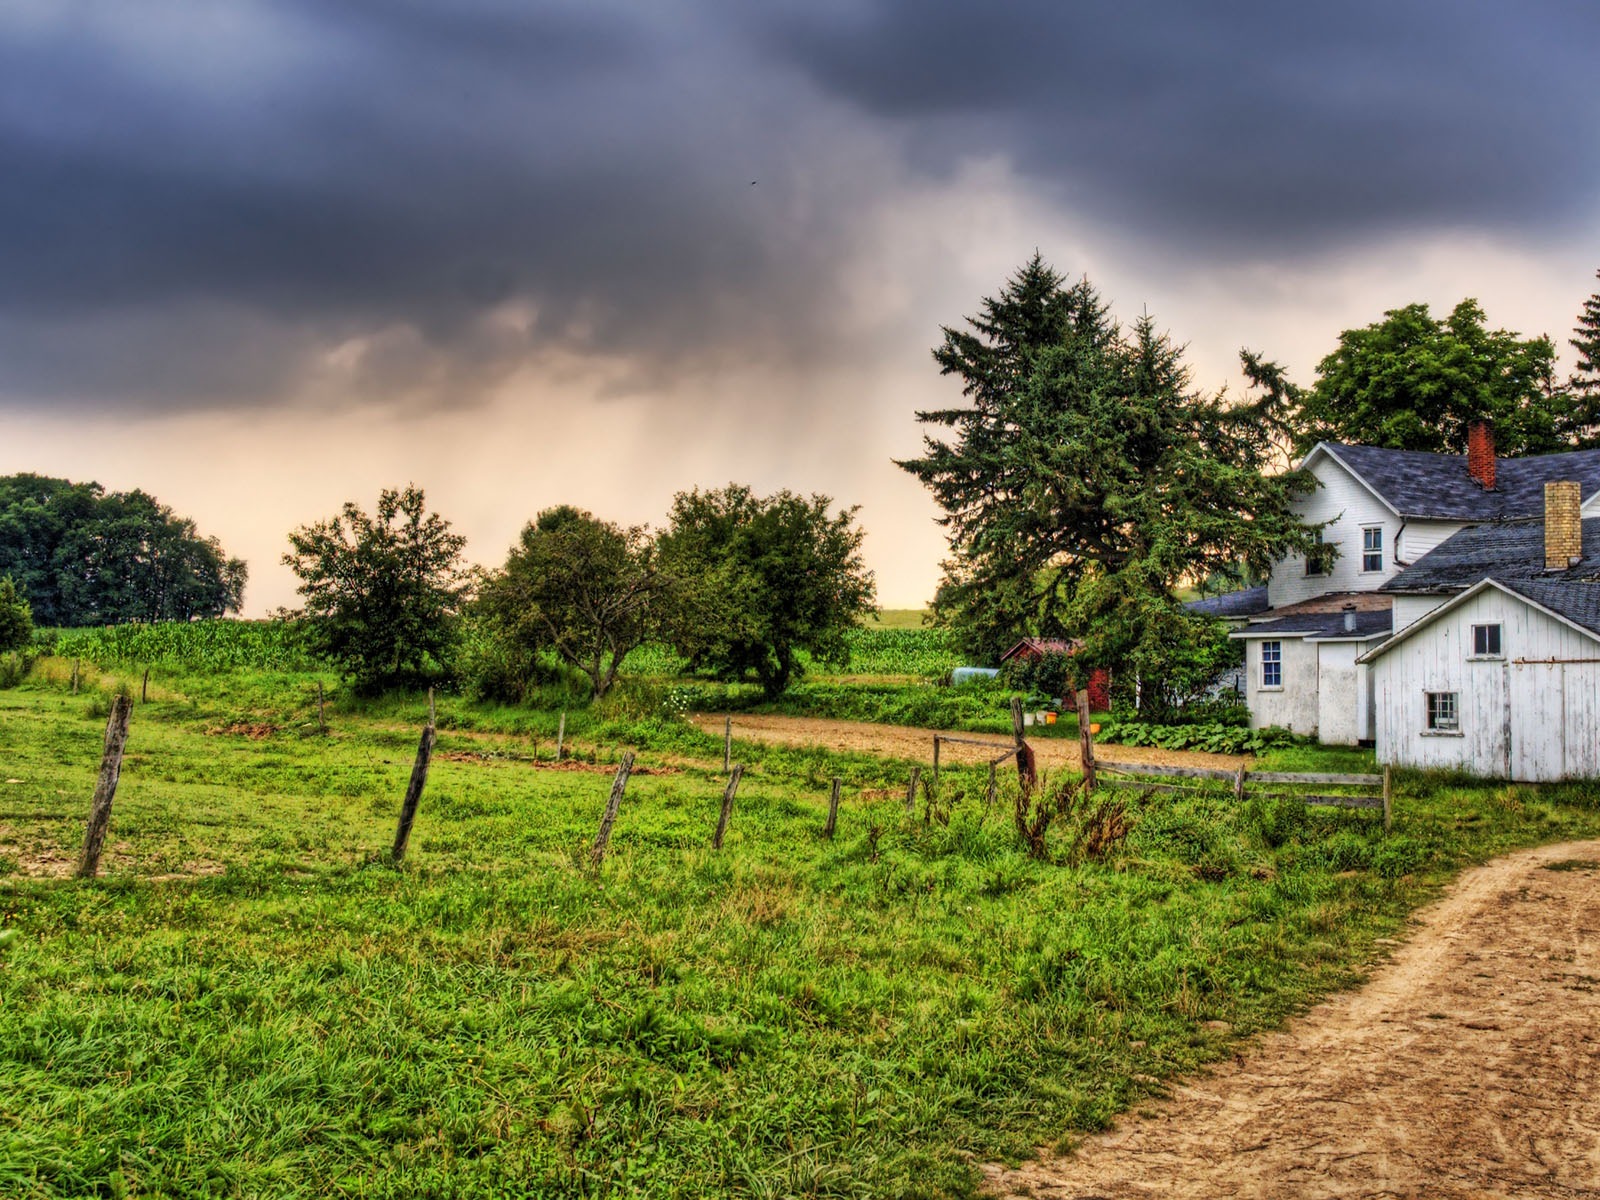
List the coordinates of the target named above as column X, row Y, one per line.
column 16, row 617
column 1215, row 737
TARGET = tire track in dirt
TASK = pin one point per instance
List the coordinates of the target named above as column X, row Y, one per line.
column 1469, row 1066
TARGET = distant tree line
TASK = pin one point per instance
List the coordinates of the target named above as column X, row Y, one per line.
column 80, row 555
column 741, row 585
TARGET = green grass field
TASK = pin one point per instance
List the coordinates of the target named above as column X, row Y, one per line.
column 252, row 1002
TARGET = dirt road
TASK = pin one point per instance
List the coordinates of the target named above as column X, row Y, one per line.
column 904, row 741
column 1469, row 1066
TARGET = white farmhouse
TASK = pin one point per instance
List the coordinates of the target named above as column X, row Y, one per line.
column 1496, row 670
column 1311, row 632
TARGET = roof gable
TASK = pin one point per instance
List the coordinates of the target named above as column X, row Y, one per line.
column 1417, row 484
column 1576, row 605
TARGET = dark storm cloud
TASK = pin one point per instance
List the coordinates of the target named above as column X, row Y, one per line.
column 1270, row 125
column 199, row 203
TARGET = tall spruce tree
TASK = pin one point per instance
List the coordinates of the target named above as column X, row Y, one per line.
column 1585, row 381
column 1085, row 479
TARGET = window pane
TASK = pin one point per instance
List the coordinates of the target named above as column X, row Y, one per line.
column 1442, row 710
column 1271, row 664
column 1372, row 549
column 1486, row 641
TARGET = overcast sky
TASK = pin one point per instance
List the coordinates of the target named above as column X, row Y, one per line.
column 262, row 257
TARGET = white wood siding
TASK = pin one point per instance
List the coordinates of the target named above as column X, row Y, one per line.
column 1347, row 502
column 1529, row 720
column 1338, row 693
column 1418, row 537
column 1408, row 610
column 1294, row 705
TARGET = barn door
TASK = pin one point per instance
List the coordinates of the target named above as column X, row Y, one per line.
column 1537, row 721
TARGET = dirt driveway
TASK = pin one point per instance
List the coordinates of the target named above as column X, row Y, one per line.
column 905, row 741
column 1468, row 1067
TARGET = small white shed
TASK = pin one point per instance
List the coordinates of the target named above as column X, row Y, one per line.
column 1304, row 673
column 1502, row 681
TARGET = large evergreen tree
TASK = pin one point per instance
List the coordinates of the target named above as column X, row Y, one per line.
column 1085, row 479
column 1585, row 381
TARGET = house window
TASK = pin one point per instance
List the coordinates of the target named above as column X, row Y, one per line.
column 1442, row 711
column 1271, row 664
column 1372, row 548
column 1486, row 641
column 1317, row 560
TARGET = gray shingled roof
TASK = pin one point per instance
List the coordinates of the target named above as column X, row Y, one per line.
column 1505, row 550
column 1246, row 602
column 1420, row 485
column 1369, row 624
column 1577, row 602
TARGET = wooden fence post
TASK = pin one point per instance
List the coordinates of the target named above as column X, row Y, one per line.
column 74, row 677
column 727, row 742
column 1388, row 800
column 1238, row 785
column 727, row 806
column 1085, row 741
column 1026, row 775
column 833, row 812
column 322, row 711
column 612, row 807
column 561, row 737
column 911, row 791
column 619, row 784
column 992, row 793
column 144, row 687
column 105, row 788
column 936, row 764
column 419, row 778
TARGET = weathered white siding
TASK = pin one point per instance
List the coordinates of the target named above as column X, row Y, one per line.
column 1527, row 720
column 1410, row 609
column 1294, row 705
column 1347, row 502
column 1418, row 537
column 1344, row 694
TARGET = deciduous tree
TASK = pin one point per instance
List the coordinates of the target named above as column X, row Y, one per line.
column 581, row 587
column 16, row 618
column 381, row 591
column 1414, row 382
column 1084, row 478
column 756, row 580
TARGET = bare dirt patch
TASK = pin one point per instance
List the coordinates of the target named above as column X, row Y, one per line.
column 1468, row 1067
column 566, row 764
column 904, row 741
column 256, row 731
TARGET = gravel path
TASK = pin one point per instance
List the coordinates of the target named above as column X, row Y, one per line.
column 1469, row 1066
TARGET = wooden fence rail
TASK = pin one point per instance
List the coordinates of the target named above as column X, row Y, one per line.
column 1241, row 779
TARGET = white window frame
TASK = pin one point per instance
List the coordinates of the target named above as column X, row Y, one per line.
column 1317, row 560
column 1276, row 661
column 1441, row 714
column 1370, row 552
column 1498, row 651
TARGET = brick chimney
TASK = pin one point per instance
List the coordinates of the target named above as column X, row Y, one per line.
column 1480, row 454
column 1563, row 524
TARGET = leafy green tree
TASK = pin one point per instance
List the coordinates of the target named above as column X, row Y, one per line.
column 1414, row 382
column 1084, row 480
column 581, row 587
column 16, row 618
column 382, row 592
column 757, row 580
column 84, row 556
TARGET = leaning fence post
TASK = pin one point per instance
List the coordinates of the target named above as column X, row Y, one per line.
column 989, row 797
column 833, row 812
column 1388, row 800
column 1026, row 775
column 619, row 784
column 105, row 788
column 911, row 791
column 144, row 687
column 936, row 740
column 727, row 806
column 561, row 735
column 1085, row 741
column 419, row 779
